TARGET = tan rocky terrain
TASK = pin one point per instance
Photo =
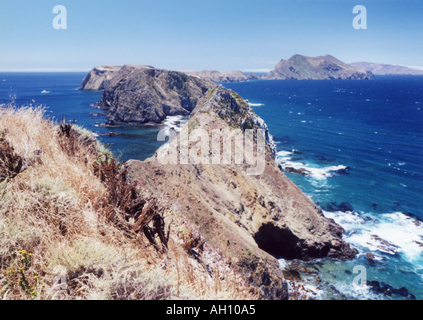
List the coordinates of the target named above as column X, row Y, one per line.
column 98, row 78
column 253, row 219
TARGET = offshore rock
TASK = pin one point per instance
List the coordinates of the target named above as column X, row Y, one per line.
column 143, row 94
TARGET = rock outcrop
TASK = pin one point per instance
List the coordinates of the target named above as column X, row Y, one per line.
column 265, row 211
column 98, row 78
column 143, row 94
column 226, row 76
column 251, row 216
column 385, row 69
column 326, row 67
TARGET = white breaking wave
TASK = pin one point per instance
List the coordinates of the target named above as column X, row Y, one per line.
column 284, row 153
column 390, row 233
column 174, row 122
column 45, row 91
column 316, row 173
column 256, row 104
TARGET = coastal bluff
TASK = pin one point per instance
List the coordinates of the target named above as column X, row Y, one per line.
column 327, row 67
column 250, row 218
column 98, row 78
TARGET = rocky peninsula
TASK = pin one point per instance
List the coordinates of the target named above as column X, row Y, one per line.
column 253, row 219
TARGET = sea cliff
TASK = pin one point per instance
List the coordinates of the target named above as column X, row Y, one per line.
column 98, row 78
column 253, row 219
column 143, row 94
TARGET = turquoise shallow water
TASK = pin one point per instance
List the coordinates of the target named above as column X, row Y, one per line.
column 361, row 140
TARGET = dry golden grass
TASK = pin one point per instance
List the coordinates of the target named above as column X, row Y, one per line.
column 52, row 211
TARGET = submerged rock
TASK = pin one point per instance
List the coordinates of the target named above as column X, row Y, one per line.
column 388, row 290
column 301, row 171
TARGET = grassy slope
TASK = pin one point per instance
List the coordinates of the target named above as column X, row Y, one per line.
column 61, row 216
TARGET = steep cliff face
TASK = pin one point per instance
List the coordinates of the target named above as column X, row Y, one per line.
column 98, row 78
column 320, row 68
column 143, row 94
column 252, row 218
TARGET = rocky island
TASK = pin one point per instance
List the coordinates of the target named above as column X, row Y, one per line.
column 253, row 219
column 327, row 67
column 297, row 67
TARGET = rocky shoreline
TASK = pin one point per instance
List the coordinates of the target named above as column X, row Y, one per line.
column 254, row 219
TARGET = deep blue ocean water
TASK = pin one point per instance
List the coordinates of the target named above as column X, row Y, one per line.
column 373, row 130
column 64, row 98
column 362, row 141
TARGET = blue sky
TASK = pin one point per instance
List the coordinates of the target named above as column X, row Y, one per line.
column 199, row 34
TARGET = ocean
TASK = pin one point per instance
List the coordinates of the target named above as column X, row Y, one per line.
column 361, row 142
column 59, row 94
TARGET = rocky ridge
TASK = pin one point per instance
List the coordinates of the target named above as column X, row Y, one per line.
column 250, row 218
column 327, row 67
column 143, row 94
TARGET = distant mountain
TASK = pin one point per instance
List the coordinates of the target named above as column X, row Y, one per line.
column 327, row 67
column 223, row 76
column 384, row 69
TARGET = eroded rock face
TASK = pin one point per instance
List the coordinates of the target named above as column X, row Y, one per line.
column 265, row 211
column 98, row 78
column 300, row 67
column 143, row 94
